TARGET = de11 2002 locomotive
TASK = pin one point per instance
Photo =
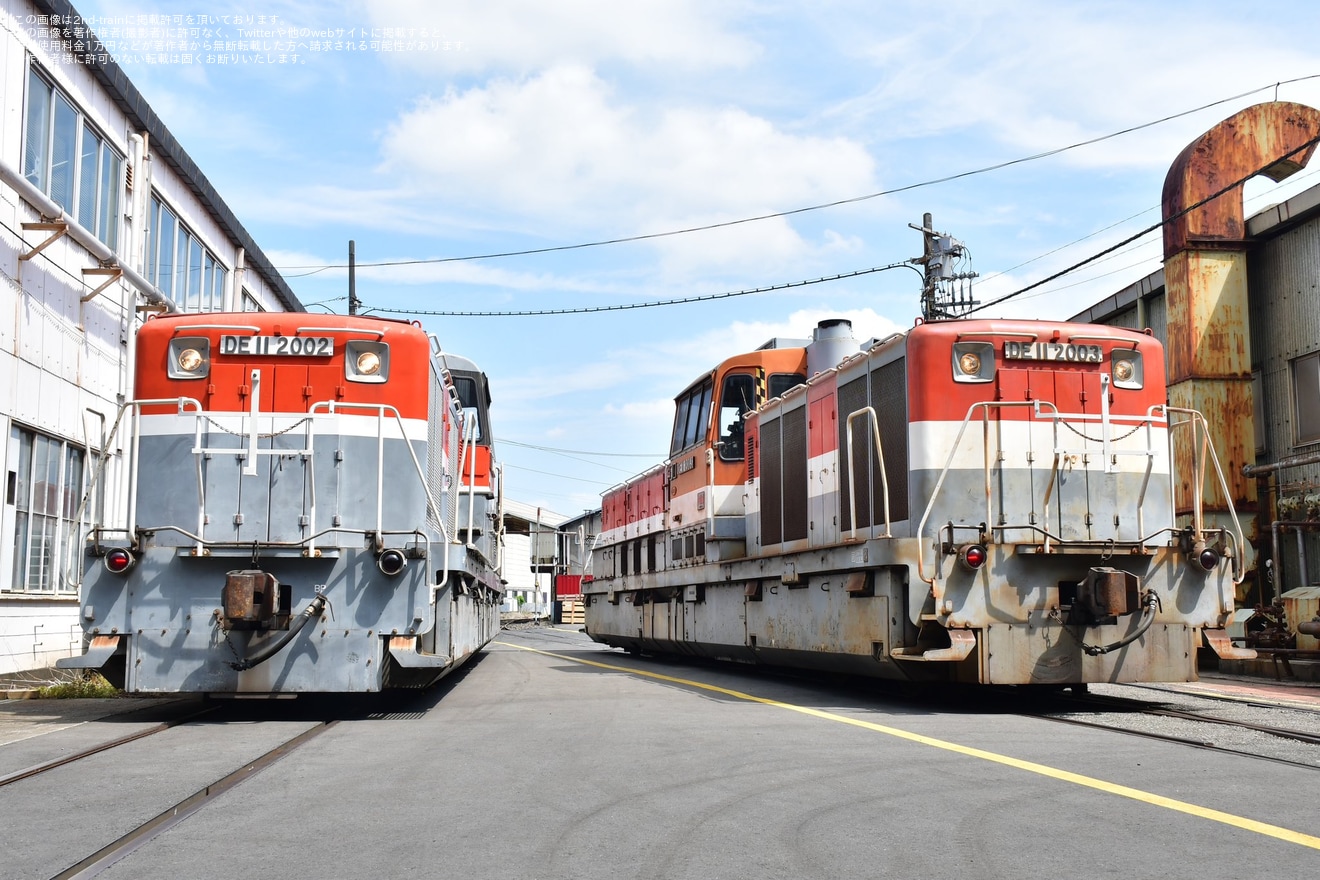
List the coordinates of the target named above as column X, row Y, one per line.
column 978, row 501
column 313, row 506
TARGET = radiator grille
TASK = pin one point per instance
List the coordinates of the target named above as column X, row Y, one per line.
column 795, row 474
column 772, row 492
column 852, row 397
column 889, row 396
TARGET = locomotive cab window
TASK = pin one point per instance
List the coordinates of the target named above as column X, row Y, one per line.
column 737, row 397
column 691, row 416
column 469, row 397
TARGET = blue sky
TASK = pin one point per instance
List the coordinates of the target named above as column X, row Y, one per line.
column 524, row 124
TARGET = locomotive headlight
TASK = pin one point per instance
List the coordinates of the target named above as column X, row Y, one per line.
column 973, row 362
column 366, row 361
column 1126, row 369
column 191, row 360
column 189, row 357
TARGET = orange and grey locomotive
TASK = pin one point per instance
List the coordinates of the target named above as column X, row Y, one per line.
column 980, row 501
column 312, row 507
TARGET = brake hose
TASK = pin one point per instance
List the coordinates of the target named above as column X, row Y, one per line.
column 1151, row 603
column 313, row 609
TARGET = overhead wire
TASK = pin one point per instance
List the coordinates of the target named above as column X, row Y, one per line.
column 1149, row 229
column 795, row 211
column 578, row 451
column 620, row 307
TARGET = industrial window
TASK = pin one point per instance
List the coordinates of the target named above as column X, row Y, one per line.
column 180, row 265
column 68, row 160
column 1306, row 398
column 44, row 489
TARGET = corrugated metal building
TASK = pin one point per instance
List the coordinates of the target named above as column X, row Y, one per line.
column 103, row 220
column 1282, row 248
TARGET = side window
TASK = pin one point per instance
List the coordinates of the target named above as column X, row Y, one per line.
column 680, row 425
column 698, row 415
column 46, row 490
column 691, row 415
column 469, row 397
column 180, row 265
column 1306, row 399
column 66, row 158
column 737, row 397
column 780, row 383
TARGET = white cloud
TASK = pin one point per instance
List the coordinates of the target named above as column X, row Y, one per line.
column 531, row 34
column 1038, row 75
column 560, row 148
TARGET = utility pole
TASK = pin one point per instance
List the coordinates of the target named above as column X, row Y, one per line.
column 353, row 301
column 946, row 292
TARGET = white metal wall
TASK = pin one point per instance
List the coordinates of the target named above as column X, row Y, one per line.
column 64, row 364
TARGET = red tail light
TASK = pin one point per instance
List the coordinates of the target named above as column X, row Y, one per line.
column 973, row 556
column 118, row 561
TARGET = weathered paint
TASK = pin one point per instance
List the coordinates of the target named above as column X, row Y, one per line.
column 1048, row 442
column 1206, row 277
column 355, row 468
column 1271, row 136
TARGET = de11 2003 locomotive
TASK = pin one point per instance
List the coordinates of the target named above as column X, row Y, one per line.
column 979, row 501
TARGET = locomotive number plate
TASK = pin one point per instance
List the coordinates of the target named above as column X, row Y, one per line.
column 1053, row 351
column 291, row 346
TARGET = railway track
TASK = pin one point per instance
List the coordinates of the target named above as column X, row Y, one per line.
column 1197, row 727
column 203, row 722
column 126, row 844
column 73, row 757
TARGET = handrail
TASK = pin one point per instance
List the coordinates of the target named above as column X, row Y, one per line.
column 74, row 577
column 469, row 446
column 1196, row 418
column 939, row 483
column 1041, row 410
column 884, row 477
column 333, row 406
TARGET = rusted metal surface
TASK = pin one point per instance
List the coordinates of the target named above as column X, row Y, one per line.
column 1300, row 605
column 1226, row 406
column 1224, row 647
column 1107, row 592
column 248, row 599
column 1207, row 301
column 1264, row 136
column 1205, row 271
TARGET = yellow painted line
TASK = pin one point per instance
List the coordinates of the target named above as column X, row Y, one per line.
column 1136, row 794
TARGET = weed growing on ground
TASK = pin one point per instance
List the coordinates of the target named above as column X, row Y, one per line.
column 79, row 688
